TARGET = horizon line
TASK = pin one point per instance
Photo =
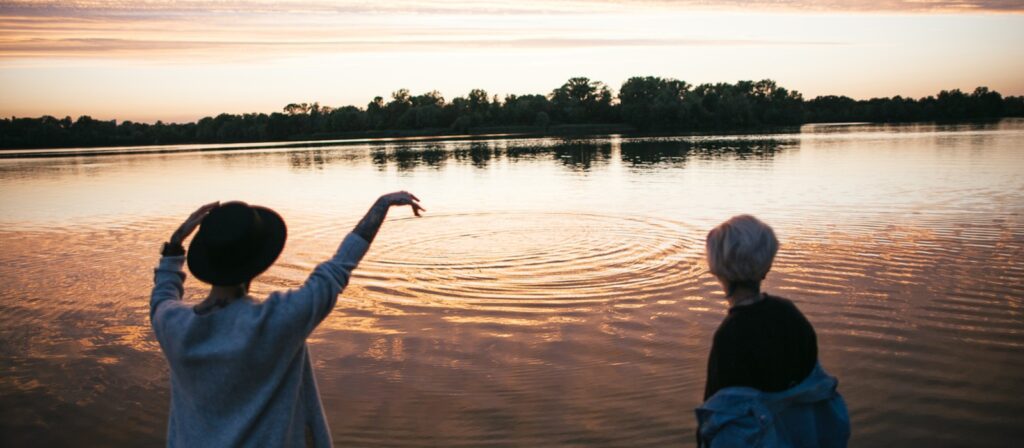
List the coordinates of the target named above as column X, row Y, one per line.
column 490, row 96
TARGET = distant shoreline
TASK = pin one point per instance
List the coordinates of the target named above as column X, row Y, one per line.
column 396, row 136
column 484, row 134
column 578, row 107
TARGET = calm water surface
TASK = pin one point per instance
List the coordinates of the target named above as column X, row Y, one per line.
column 555, row 293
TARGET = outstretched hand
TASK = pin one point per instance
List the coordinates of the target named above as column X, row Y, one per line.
column 368, row 226
column 399, row 198
column 192, row 222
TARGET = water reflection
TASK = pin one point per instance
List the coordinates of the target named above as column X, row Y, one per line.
column 576, row 154
column 555, row 293
column 315, row 159
column 908, row 128
column 581, row 156
column 675, row 152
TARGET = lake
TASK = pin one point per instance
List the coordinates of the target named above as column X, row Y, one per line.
column 555, row 292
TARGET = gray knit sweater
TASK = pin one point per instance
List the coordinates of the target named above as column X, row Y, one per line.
column 241, row 375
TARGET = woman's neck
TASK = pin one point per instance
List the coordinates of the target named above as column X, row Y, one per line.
column 740, row 295
column 221, row 296
column 228, row 293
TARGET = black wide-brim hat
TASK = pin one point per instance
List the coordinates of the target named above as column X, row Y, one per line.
column 235, row 243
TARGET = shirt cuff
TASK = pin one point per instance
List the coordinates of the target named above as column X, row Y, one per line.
column 173, row 263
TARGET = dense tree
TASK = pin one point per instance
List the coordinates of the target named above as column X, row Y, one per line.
column 1013, row 106
column 744, row 104
column 523, row 109
column 581, row 100
column 375, row 113
column 346, row 119
column 646, row 103
column 476, row 107
column 650, row 102
column 830, row 108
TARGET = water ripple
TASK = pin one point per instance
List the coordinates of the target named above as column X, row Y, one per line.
column 531, row 262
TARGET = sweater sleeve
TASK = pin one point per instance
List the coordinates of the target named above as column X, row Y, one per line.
column 304, row 308
column 168, row 283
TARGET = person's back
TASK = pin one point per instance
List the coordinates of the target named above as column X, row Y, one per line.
column 764, row 385
column 768, row 345
column 241, row 373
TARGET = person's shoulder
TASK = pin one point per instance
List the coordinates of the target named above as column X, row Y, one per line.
column 173, row 309
column 172, row 321
column 729, row 327
column 278, row 308
column 787, row 310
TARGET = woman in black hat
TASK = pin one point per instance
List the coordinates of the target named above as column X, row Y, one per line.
column 240, row 368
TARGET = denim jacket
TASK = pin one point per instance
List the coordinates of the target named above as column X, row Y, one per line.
column 810, row 414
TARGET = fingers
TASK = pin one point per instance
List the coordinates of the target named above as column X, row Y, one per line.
column 412, row 201
column 202, row 211
column 207, row 208
column 417, row 208
column 194, row 219
column 405, row 198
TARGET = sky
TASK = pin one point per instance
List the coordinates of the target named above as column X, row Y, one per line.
column 181, row 60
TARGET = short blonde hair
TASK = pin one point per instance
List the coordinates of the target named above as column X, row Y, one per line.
column 741, row 249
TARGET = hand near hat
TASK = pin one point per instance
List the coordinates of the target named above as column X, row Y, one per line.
column 192, row 222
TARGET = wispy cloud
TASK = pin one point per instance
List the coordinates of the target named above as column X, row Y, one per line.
column 954, row 6
column 136, row 47
column 150, row 59
column 177, row 7
column 248, row 30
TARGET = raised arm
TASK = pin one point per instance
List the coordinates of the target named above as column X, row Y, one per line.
column 370, row 224
column 307, row 306
column 168, row 277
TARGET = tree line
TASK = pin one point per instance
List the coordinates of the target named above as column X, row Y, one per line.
column 645, row 104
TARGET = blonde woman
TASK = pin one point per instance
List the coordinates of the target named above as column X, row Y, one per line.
column 764, row 384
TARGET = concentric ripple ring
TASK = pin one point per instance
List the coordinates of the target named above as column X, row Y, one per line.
column 530, row 261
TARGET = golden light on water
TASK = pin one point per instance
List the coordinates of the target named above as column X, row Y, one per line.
column 555, row 290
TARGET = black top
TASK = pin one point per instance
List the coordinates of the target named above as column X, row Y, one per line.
column 768, row 345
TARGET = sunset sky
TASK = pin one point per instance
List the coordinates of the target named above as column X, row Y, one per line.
column 178, row 61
